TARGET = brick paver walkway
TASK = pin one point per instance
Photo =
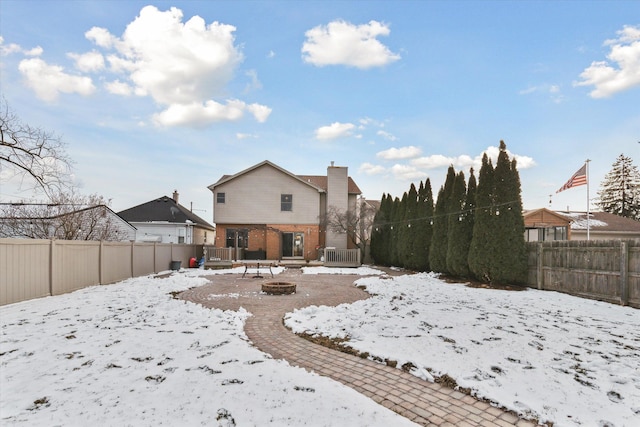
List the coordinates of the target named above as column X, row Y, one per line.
column 423, row 402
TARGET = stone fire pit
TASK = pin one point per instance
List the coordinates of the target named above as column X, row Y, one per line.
column 279, row 288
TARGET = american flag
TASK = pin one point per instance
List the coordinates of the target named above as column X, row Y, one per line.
column 578, row 178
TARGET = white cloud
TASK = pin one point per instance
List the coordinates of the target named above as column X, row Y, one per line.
column 386, row 135
column 240, row 135
column 177, row 62
column 119, row 88
column 183, row 66
column 88, row 62
column 8, row 49
column 335, row 130
column 407, row 173
column 260, row 112
column 436, row 161
column 554, row 91
column 101, row 37
column 465, row 161
column 198, row 114
column 36, row 51
column 370, row 169
column 342, row 43
column 48, row 81
column 254, row 83
column 607, row 79
column 523, row 162
column 399, row 153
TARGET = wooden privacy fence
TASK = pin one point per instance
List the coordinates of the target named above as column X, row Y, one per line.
column 341, row 257
column 37, row 268
column 607, row 270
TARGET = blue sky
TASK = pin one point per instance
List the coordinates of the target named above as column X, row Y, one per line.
column 155, row 96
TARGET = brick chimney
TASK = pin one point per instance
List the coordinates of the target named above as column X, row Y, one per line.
column 175, row 196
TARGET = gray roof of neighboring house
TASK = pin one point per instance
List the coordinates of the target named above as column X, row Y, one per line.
column 163, row 209
column 601, row 221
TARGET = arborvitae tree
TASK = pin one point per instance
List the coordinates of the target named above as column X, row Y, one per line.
column 620, row 191
column 402, row 247
column 437, row 262
column 409, row 228
column 424, row 228
column 386, row 232
column 377, row 233
column 459, row 240
column 484, row 232
column 439, row 240
column 469, row 215
column 396, row 219
column 509, row 257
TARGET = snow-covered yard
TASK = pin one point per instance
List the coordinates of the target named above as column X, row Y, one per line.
column 130, row 354
column 558, row 358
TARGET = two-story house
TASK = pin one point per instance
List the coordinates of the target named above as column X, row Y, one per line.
column 278, row 214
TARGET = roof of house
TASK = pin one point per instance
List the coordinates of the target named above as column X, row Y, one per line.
column 544, row 217
column 318, row 182
column 163, row 209
column 321, row 182
column 602, row 221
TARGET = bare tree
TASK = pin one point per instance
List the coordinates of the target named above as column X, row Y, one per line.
column 356, row 224
column 68, row 216
column 33, row 153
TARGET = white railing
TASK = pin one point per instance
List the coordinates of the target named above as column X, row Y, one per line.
column 212, row 253
column 341, row 257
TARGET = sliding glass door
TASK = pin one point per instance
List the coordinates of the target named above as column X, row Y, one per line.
column 292, row 245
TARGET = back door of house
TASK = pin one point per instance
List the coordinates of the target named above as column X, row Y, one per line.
column 292, row 245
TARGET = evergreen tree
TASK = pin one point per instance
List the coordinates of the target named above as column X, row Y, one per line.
column 509, row 258
column 424, row 227
column 469, row 215
column 409, row 228
column 402, row 247
column 439, row 239
column 377, row 233
column 458, row 241
column 620, row 191
column 387, row 232
column 396, row 219
column 484, row 232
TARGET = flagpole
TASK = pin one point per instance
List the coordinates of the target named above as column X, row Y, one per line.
column 588, row 209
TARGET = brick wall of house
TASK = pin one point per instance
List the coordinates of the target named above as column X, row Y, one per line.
column 267, row 237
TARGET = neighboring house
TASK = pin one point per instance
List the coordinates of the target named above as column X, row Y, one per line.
column 164, row 220
column 602, row 226
column 544, row 225
column 90, row 223
column 268, row 209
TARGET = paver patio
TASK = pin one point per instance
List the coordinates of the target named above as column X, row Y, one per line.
column 423, row 402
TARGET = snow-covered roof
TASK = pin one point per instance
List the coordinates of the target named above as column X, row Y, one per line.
column 601, row 221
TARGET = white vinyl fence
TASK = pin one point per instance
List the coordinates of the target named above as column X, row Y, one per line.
column 341, row 257
column 37, row 268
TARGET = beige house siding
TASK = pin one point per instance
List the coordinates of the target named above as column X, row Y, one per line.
column 259, row 190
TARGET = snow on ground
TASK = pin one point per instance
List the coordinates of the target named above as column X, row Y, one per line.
column 129, row 354
column 545, row 355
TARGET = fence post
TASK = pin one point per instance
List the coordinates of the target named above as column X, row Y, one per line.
column 100, row 266
column 52, row 268
column 132, row 249
column 624, row 273
column 540, row 273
